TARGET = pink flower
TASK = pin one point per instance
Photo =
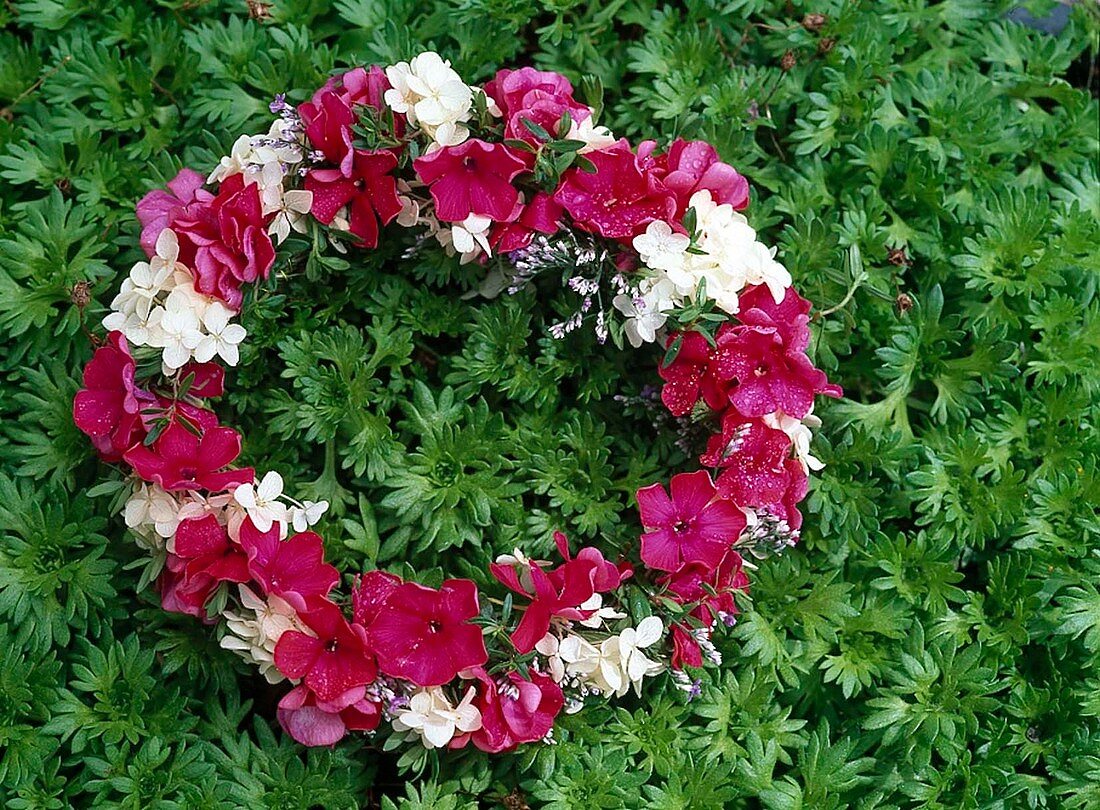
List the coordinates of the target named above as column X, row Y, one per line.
column 790, row 316
column 541, row 215
column 155, row 209
column 370, row 191
column 108, row 408
column 693, row 166
column 559, row 592
column 770, row 375
column 709, row 589
column 514, row 710
column 538, row 96
column 619, row 199
column 333, row 660
column 425, row 636
column 474, row 177
column 685, row 648
column 328, row 123
column 224, row 241
column 694, row 372
column 753, row 457
column 203, row 557
column 208, row 381
column 294, row 569
column 693, row 526
column 312, row 721
column 330, row 114
column 179, row 459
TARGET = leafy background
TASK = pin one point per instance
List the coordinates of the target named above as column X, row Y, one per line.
column 929, row 171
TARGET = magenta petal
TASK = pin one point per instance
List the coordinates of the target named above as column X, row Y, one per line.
column 691, row 492
column 661, row 550
column 655, row 506
column 310, row 725
column 296, row 653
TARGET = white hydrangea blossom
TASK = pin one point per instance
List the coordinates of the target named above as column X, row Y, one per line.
column 254, row 631
column 432, row 96
column 432, row 716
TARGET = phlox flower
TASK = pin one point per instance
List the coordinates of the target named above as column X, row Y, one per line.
column 660, row 247
column 435, row 719
column 150, row 506
column 261, row 501
column 255, row 630
column 219, row 337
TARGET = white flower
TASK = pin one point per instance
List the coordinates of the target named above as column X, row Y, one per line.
column 262, row 502
column 175, row 329
column 800, row 435
column 660, row 247
column 290, row 215
column 594, row 137
column 626, row 650
column 253, row 637
column 600, row 614
column 235, row 162
column 548, row 646
column 471, row 236
column 432, row 95
column 152, row 506
column 306, row 515
column 221, row 337
column 647, row 311
column 762, row 268
column 431, row 715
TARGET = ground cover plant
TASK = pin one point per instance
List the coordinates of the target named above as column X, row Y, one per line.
column 929, row 172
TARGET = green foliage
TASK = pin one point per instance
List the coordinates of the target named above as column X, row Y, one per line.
column 929, row 173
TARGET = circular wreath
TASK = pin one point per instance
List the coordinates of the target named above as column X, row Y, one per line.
column 516, row 175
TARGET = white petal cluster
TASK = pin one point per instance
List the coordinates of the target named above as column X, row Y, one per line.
column 594, row 137
column 432, row 96
column 432, row 716
column 266, row 506
column 609, row 669
column 726, row 258
column 254, row 630
column 159, row 306
column 267, row 161
column 152, row 514
column 801, row 435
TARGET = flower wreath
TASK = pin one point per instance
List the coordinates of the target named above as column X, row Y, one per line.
column 516, row 175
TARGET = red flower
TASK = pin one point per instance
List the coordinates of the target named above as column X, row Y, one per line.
column 541, row 215
column 685, row 648
column 155, row 209
column 538, row 96
column 108, row 407
column 424, row 635
column 619, row 199
column 202, row 557
column 294, row 569
column 333, row 660
column 179, row 459
column 753, row 456
column 224, row 240
column 693, row 166
column 514, row 710
column 693, row 526
column 709, row 589
column 474, row 177
column 369, row 189
column 312, row 721
column 694, row 372
column 559, row 592
column 770, row 375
